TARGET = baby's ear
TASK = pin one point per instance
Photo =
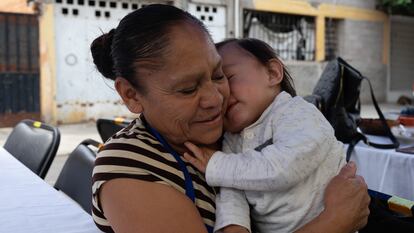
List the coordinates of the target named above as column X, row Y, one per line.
column 129, row 95
column 275, row 68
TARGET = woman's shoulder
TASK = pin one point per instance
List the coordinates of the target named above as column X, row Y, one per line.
column 133, row 144
column 134, row 138
column 135, row 131
column 134, row 153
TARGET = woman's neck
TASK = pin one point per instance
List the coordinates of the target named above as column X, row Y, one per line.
column 179, row 148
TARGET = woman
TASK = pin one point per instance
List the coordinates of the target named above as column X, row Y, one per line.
column 166, row 68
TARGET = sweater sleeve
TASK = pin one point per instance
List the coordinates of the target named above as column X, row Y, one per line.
column 302, row 139
column 232, row 209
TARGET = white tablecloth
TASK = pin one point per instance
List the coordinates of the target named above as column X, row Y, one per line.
column 28, row 204
column 386, row 171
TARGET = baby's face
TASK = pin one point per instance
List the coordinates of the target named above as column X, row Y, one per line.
column 250, row 91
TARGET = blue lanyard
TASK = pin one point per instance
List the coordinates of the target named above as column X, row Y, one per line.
column 209, row 229
column 189, row 188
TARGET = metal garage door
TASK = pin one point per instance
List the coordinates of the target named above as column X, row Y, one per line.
column 19, row 68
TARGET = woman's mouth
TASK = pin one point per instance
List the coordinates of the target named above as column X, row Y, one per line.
column 216, row 118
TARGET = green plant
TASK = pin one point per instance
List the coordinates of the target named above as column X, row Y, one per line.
column 404, row 7
column 396, row 2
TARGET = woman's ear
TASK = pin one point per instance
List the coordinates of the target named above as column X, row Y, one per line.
column 129, row 95
column 275, row 68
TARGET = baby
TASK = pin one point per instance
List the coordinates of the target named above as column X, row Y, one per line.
column 278, row 152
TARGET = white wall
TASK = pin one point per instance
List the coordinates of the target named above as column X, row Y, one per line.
column 361, row 44
column 213, row 16
column 81, row 92
column 401, row 75
column 368, row 4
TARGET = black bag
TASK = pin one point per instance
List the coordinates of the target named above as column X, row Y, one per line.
column 337, row 96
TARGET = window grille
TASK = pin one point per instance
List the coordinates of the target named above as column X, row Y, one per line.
column 331, row 39
column 292, row 36
column 103, row 8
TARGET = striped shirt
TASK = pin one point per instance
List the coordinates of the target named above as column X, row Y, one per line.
column 136, row 154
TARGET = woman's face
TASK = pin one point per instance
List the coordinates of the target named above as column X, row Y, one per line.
column 251, row 86
column 186, row 100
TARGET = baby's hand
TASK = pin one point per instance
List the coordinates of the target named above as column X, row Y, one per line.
column 201, row 156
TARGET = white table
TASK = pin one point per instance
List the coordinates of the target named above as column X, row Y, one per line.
column 386, row 171
column 28, row 204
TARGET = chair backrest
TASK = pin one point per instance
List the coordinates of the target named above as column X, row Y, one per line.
column 75, row 179
column 34, row 144
column 108, row 127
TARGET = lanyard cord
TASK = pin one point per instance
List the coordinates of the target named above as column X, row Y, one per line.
column 189, row 189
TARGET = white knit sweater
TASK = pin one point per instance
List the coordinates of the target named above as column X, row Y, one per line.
column 282, row 163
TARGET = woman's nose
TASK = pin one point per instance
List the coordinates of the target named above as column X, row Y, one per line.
column 211, row 97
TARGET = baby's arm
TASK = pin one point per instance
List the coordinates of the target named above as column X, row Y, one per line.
column 302, row 140
column 232, row 209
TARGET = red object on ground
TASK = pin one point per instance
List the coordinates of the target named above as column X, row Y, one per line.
column 406, row 120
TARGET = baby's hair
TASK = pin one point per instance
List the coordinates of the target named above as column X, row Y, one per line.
column 263, row 53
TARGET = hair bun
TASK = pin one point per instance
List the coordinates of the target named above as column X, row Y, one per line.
column 101, row 54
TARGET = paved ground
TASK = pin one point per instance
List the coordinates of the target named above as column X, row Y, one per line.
column 73, row 134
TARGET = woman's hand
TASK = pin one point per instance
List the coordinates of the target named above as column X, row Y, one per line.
column 201, row 156
column 347, row 200
column 347, row 195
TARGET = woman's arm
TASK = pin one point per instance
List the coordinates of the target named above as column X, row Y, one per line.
column 143, row 207
column 346, row 204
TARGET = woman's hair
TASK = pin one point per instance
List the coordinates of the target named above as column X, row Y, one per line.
column 140, row 42
column 263, row 53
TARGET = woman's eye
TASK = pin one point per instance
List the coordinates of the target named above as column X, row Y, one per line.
column 218, row 78
column 188, row 91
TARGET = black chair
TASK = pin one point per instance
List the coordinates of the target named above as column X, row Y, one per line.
column 108, row 127
column 34, row 144
column 75, row 179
